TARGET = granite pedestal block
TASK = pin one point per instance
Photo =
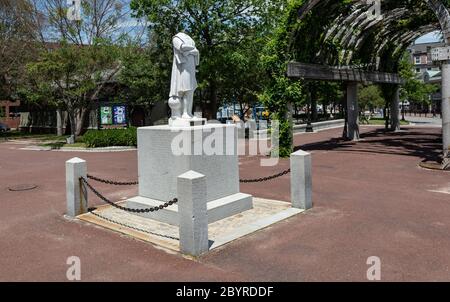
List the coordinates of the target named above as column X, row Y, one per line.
column 166, row 152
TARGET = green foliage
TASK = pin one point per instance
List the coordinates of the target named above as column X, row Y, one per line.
column 110, row 137
column 286, row 135
column 17, row 40
column 275, row 97
column 370, row 97
column 71, row 77
column 144, row 74
column 414, row 90
column 280, row 90
column 228, row 34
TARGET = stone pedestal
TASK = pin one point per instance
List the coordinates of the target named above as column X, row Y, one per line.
column 166, row 152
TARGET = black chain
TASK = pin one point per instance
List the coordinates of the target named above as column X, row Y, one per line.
column 148, row 210
column 112, row 182
column 132, row 227
column 262, row 179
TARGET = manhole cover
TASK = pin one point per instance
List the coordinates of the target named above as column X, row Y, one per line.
column 24, row 187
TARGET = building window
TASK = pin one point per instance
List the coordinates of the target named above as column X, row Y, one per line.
column 417, row 70
column 417, row 60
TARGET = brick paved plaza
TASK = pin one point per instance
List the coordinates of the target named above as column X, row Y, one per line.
column 370, row 199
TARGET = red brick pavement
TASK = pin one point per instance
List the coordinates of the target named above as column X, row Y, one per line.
column 370, row 199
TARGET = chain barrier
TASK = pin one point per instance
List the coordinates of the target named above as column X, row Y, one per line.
column 131, row 227
column 112, row 182
column 132, row 183
column 106, row 200
column 262, row 179
column 154, row 209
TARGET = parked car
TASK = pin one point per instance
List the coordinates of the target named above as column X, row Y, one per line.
column 4, row 128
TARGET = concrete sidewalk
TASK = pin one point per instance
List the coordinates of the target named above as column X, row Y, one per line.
column 424, row 121
column 370, row 199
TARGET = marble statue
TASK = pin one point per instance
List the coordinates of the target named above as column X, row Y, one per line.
column 183, row 84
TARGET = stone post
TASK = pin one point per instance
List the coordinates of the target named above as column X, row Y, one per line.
column 192, row 208
column 77, row 203
column 301, row 180
column 446, row 107
column 395, row 122
column 352, row 111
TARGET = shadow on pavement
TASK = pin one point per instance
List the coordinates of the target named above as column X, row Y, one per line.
column 426, row 145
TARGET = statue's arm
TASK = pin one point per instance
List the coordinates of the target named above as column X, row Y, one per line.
column 179, row 44
column 186, row 48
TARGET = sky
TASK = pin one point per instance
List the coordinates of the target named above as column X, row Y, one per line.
column 435, row 36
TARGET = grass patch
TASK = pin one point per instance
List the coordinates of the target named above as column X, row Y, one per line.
column 76, row 145
column 381, row 122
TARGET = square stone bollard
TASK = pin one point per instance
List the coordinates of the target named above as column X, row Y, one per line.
column 301, row 180
column 193, row 213
column 75, row 196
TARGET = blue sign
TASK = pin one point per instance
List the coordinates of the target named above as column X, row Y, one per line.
column 119, row 115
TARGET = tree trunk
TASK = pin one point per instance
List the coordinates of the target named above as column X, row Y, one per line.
column 212, row 108
column 59, row 122
column 72, row 121
column 80, row 118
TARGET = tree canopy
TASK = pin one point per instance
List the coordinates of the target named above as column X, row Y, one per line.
column 226, row 33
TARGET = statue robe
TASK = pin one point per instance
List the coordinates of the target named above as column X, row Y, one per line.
column 184, row 66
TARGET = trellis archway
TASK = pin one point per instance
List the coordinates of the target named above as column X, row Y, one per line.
column 343, row 33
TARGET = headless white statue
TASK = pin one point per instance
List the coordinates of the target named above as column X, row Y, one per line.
column 183, row 84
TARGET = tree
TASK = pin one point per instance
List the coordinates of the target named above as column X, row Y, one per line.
column 145, row 73
column 244, row 77
column 370, row 97
column 282, row 91
column 99, row 19
column 218, row 27
column 414, row 90
column 17, row 43
column 72, row 76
